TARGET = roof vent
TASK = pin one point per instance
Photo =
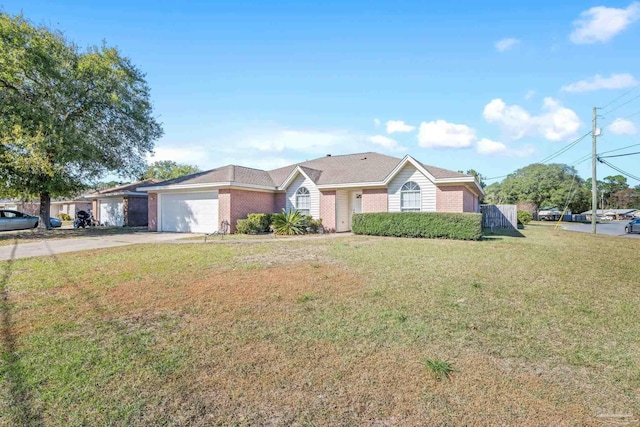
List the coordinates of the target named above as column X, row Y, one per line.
column 364, row 158
column 328, row 155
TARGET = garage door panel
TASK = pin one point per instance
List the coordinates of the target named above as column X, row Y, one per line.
column 189, row 212
column 112, row 212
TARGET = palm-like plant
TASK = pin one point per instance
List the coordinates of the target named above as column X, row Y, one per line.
column 289, row 223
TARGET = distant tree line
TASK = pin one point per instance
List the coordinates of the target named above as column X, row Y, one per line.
column 560, row 185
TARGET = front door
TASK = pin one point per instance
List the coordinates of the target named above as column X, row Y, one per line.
column 356, row 204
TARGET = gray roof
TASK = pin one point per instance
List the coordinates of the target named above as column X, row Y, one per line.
column 120, row 189
column 342, row 169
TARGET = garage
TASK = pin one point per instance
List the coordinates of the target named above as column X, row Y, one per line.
column 188, row 212
column 111, row 212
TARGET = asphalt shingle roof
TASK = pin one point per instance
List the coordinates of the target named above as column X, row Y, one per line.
column 342, row 169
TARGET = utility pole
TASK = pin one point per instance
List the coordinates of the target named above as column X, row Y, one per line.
column 594, row 185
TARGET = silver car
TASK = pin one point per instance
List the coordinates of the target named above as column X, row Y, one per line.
column 633, row 226
column 14, row 220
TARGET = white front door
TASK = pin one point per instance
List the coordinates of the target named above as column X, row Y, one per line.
column 355, row 205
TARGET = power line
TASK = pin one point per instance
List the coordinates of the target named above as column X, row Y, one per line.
column 623, row 104
column 622, row 118
column 618, row 169
column 620, row 149
column 621, row 96
column 551, row 156
column 621, row 155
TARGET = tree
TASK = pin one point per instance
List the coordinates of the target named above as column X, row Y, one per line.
column 540, row 185
column 168, row 169
column 67, row 116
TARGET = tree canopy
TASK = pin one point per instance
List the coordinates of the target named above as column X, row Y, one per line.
column 168, row 169
column 541, row 185
column 67, row 116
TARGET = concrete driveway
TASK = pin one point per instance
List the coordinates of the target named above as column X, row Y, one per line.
column 47, row 247
column 613, row 228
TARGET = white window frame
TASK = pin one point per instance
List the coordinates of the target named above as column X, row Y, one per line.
column 301, row 194
column 410, row 188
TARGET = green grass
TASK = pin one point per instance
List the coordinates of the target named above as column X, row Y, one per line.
column 534, row 329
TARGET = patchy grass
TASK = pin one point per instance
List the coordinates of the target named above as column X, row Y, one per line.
column 344, row 331
column 36, row 234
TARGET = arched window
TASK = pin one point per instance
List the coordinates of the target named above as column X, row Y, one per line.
column 303, row 201
column 410, row 197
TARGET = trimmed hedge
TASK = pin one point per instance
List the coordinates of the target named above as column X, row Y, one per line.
column 460, row 226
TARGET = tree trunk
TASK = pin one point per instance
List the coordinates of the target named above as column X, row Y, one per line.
column 45, row 209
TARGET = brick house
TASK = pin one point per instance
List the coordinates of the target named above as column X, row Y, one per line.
column 123, row 205
column 331, row 188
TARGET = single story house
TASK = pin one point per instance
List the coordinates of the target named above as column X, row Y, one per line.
column 69, row 207
column 123, row 205
column 25, row 206
column 331, row 188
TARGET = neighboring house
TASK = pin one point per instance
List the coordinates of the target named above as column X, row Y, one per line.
column 69, row 207
column 121, row 206
column 28, row 207
column 332, row 188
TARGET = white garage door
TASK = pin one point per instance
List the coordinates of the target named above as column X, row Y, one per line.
column 189, row 212
column 111, row 212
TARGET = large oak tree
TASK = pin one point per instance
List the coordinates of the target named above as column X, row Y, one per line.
column 67, row 115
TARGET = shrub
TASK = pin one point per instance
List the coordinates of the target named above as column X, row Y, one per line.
column 524, row 217
column 461, row 226
column 254, row 223
column 313, row 225
column 441, row 369
column 289, row 223
column 64, row 217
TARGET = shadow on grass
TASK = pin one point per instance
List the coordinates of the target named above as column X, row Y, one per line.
column 500, row 233
column 35, row 235
column 21, row 407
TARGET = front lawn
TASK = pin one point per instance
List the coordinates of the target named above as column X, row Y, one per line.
column 534, row 330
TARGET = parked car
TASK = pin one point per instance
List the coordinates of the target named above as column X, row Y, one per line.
column 14, row 220
column 633, row 226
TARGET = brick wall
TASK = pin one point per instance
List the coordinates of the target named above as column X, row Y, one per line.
column 375, row 200
column 470, row 201
column 136, row 211
column 279, row 202
column 152, row 211
column 328, row 210
column 237, row 204
column 450, row 199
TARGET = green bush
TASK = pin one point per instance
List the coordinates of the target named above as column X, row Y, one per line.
column 461, row 226
column 255, row 223
column 64, row 217
column 524, row 217
column 313, row 225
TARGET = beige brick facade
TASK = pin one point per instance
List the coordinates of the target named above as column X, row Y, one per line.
column 456, row 198
column 375, row 200
column 237, row 204
column 328, row 210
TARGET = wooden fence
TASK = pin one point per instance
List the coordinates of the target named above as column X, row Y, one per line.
column 499, row 216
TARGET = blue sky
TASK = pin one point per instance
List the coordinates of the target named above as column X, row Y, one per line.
column 492, row 86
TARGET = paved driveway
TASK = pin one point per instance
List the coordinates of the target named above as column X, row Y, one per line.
column 46, row 247
column 613, row 228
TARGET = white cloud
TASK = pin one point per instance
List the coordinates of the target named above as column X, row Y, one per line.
column 600, row 24
column 506, row 44
column 302, row 140
column 386, row 142
column 442, row 134
column 529, row 95
column 488, row 147
column 192, row 155
column 555, row 123
column 623, row 127
column 615, row 81
column 376, row 122
column 394, row 126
